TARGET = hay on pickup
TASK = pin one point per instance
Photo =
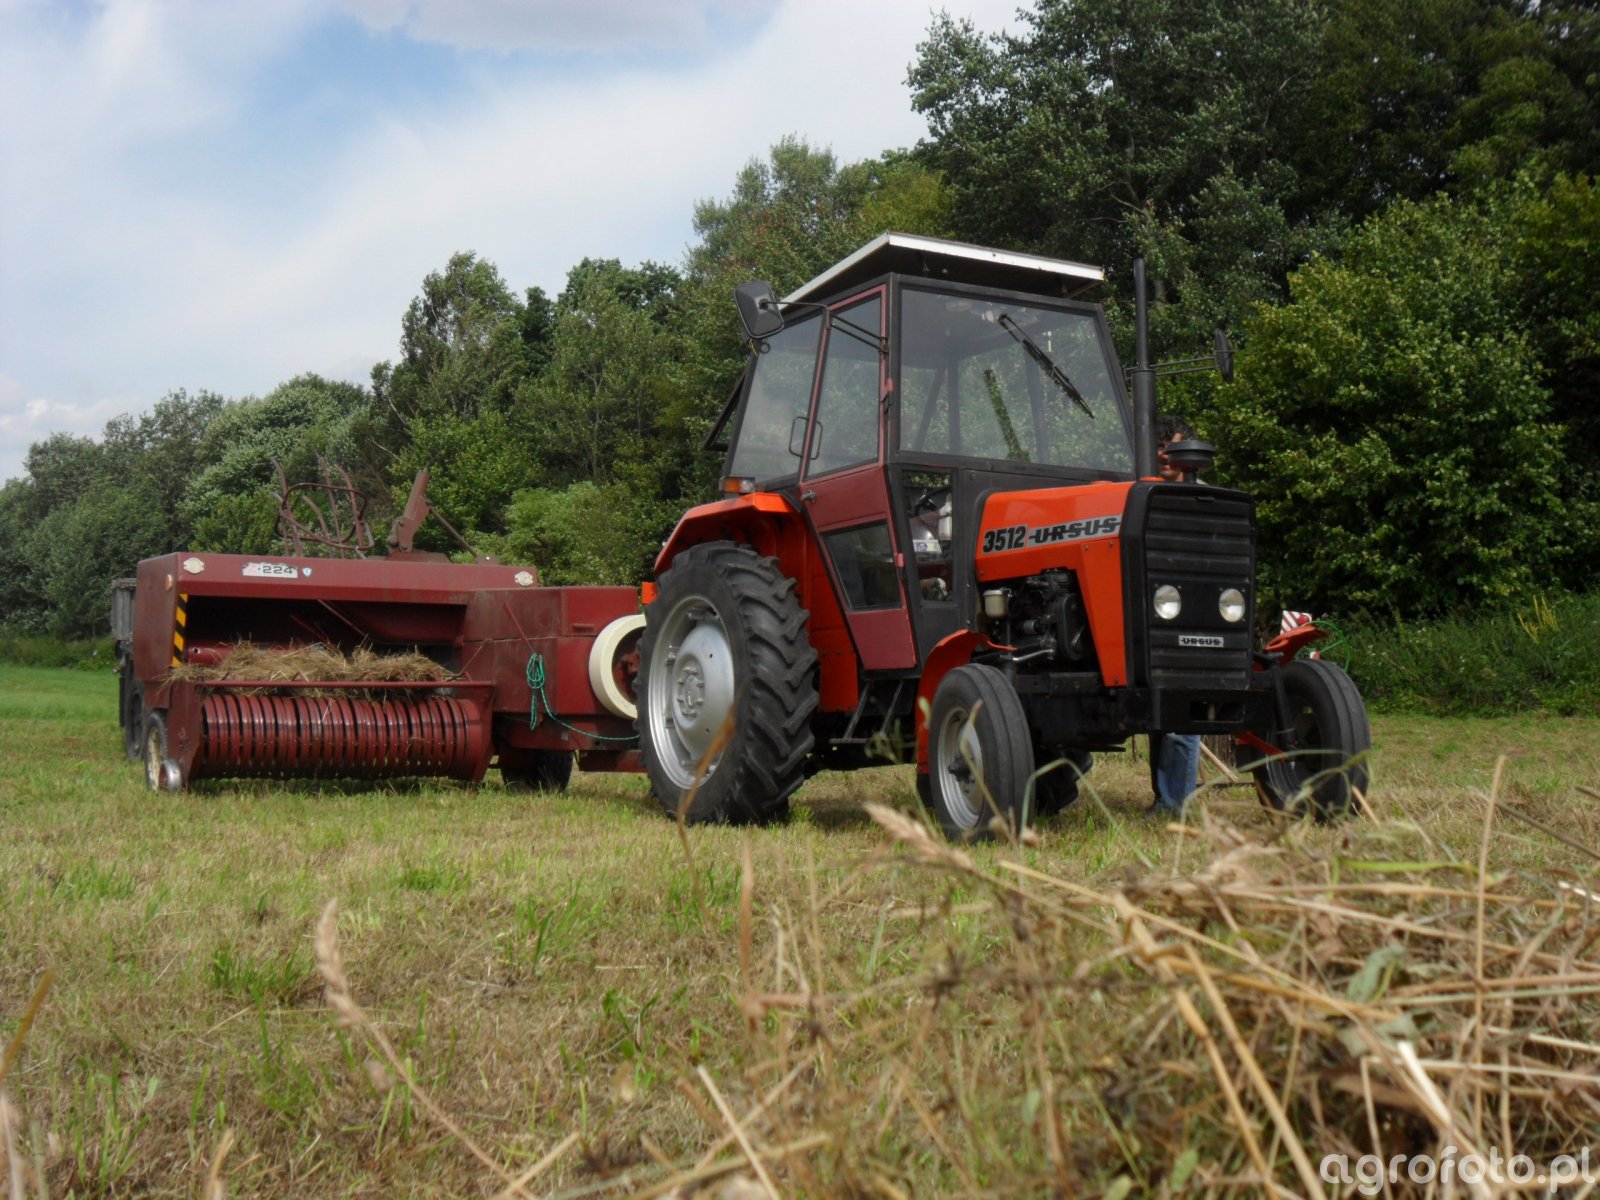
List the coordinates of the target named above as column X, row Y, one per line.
column 318, row 663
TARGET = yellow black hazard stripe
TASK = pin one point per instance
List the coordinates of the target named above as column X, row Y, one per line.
column 180, row 623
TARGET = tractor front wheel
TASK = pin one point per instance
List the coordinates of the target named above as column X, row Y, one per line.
column 980, row 755
column 727, row 687
column 1325, row 764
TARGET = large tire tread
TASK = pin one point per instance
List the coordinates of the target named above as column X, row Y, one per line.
column 772, row 740
column 1004, row 738
column 1343, row 731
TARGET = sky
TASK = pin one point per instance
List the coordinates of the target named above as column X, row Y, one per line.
column 221, row 194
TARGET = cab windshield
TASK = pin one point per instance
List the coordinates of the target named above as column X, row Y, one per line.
column 1009, row 380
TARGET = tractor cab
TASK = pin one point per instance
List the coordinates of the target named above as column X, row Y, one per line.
column 892, row 394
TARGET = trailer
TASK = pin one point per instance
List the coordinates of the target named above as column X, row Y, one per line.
column 528, row 677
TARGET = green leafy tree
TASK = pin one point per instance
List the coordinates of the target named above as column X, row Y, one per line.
column 468, row 346
column 20, row 602
column 1392, row 423
column 559, row 530
column 238, row 523
column 1554, row 238
column 596, row 404
column 81, row 547
column 476, row 464
column 464, row 344
column 88, row 511
column 1106, row 130
column 1445, row 94
column 1227, row 142
column 158, row 454
column 231, row 504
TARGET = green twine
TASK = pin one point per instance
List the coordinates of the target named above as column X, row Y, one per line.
column 536, row 684
column 1336, row 644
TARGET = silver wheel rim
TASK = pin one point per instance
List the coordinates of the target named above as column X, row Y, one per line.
column 691, row 690
column 958, row 768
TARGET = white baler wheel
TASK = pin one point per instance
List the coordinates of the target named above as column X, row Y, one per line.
column 602, row 664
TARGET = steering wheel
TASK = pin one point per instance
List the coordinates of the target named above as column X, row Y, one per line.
column 931, row 500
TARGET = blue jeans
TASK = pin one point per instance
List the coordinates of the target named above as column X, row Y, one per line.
column 1174, row 768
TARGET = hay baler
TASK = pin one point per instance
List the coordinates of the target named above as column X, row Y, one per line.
column 525, row 676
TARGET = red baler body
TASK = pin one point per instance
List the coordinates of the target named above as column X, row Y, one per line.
column 488, row 623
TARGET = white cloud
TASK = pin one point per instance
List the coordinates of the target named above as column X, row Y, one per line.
column 25, row 420
column 132, row 263
column 591, row 26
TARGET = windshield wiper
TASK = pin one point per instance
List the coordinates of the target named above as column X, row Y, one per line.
column 1045, row 363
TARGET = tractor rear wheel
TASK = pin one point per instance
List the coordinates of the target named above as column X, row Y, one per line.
column 1326, row 766
column 980, row 754
column 727, row 687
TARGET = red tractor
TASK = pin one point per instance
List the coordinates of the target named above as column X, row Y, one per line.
column 944, row 533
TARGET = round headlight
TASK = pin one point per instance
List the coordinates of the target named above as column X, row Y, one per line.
column 1231, row 604
column 1168, row 602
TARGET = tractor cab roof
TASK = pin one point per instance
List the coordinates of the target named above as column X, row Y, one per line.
column 957, row 262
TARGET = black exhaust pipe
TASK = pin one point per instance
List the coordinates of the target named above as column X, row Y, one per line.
column 1144, row 382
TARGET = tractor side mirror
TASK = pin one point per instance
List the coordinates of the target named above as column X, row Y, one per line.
column 758, row 310
column 1222, row 351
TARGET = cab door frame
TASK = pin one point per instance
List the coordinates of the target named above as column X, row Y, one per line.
column 851, row 514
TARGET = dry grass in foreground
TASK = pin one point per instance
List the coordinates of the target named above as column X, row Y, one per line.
column 1267, row 1005
column 557, row 993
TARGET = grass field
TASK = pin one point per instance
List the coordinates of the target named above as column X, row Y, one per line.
column 580, row 991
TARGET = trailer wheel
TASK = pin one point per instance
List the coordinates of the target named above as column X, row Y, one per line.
column 979, row 753
column 538, row 771
column 727, row 686
column 132, row 697
column 1329, row 723
column 160, row 772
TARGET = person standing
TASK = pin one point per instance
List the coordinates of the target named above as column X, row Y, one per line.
column 1174, row 757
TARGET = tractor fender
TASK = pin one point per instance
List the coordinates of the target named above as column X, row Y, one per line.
column 1287, row 645
column 770, row 524
column 950, row 652
column 762, row 520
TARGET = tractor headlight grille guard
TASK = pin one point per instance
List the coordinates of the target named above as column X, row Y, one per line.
column 1196, row 542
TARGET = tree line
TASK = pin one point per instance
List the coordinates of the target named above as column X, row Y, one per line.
column 1393, row 206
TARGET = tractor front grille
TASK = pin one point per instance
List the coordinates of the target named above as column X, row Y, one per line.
column 1200, row 540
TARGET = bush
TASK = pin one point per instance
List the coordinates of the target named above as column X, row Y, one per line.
column 1542, row 655
column 587, row 533
column 1395, row 427
column 23, row 650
